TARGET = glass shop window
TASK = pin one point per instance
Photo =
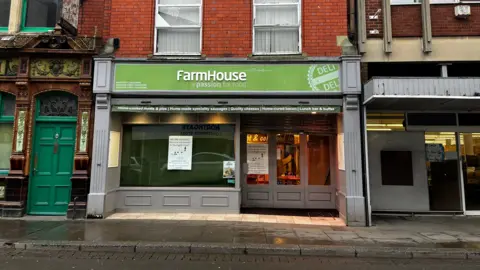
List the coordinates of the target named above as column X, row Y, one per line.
column 178, row 155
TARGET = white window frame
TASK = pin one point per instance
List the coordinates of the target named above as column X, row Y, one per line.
column 299, row 25
column 200, row 27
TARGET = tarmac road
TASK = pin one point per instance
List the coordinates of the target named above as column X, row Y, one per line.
column 66, row 260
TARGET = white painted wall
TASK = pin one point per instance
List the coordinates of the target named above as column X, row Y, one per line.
column 399, row 198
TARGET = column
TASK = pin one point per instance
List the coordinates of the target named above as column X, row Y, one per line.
column 98, row 172
column 351, row 127
column 355, row 200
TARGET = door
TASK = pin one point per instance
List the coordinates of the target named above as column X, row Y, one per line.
column 52, row 167
column 256, row 150
column 319, row 177
column 287, row 170
column 470, row 156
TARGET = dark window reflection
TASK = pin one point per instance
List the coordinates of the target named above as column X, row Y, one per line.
column 4, row 12
column 41, row 13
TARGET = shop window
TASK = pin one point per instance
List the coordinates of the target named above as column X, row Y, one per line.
column 385, row 122
column 276, row 26
column 178, row 27
column 39, row 15
column 397, row 168
column 470, row 154
column 257, row 159
column 7, row 111
column 177, row 155
column 4, row 14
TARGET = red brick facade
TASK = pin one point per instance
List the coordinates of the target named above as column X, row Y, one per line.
column 227, row 27
column 407, row 20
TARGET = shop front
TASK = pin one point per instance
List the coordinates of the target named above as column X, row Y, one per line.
column 215, row 137
column 423, row 145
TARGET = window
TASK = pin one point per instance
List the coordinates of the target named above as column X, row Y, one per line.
column 178, row 27
column 276, row 26
column 385, row 122
column 38, row 14
column 4, row 14
column 145, row 155
column 7, row 111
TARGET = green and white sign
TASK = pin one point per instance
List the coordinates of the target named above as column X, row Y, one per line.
column 230, row 78
column 225, row 109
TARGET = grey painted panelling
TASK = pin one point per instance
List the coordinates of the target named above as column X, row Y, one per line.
column 192, row 201
column 176, row 200
column 215, row 201
column 446, row 87
column 258, row 196
column 289, row 196
column 136, row 200
column 102, row 75
column 319, row 196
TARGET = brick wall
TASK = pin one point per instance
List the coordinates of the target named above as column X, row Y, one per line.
column 407, row 20
column 444, row 22
column 227, row 27
column 91, row 15
column 371, row 8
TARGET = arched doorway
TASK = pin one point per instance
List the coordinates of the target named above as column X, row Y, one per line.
column 53, row 151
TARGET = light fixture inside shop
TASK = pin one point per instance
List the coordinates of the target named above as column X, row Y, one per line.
column 384, row 125
column 379, row 129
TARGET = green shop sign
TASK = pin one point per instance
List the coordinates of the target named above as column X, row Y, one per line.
column 225, row 109
column 231, row 78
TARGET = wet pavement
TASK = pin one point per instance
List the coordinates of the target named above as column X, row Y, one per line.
column 433, row 232
column 61, row 260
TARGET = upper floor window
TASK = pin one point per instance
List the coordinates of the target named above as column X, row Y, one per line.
column 178, row 26
column 276, row 26
column 4, row 14
column 40, row 13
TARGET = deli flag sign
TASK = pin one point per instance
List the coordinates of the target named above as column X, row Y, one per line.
column 228, row 77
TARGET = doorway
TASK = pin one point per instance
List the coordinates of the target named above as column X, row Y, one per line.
column 470, row 157
column 52, row 154
column 287, row 170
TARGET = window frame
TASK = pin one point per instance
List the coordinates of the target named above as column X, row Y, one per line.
column 299, row 26
column 199, row 27
column 9, row 119
column 24, row 28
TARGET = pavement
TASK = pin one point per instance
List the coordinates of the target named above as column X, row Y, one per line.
column 11, row 259
column 391, row 237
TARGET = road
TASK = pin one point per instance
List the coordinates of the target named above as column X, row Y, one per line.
column 63, row 260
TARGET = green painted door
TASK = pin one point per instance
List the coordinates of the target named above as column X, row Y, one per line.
column 52, row 167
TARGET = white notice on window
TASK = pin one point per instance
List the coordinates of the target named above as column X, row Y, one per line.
column 257, row 158
column 180, row 153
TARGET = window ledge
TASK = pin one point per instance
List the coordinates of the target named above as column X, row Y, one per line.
column 177, row 57
column 278, row 57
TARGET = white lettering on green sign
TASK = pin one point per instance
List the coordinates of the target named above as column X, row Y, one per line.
column 211, row 75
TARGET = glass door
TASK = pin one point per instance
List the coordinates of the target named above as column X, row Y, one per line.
column 319, row 190
column 289, row 189
column 443, row 174
column 256, row 149
column 470, row 155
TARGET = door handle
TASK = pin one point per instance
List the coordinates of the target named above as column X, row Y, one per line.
column 35, row 162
